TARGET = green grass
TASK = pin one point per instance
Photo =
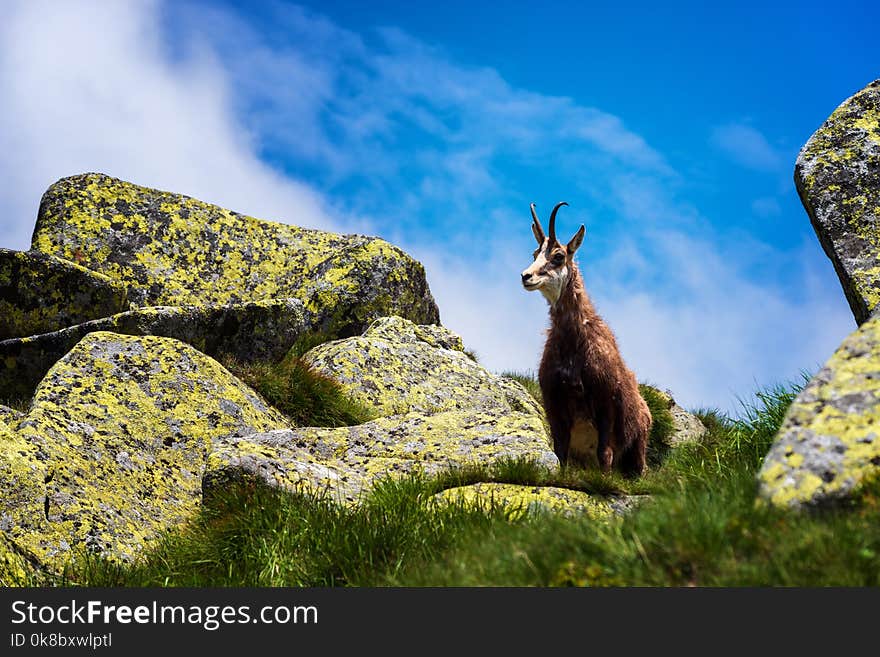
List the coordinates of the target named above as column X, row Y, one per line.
column 701, row 527
column 305, row 396
column 528, row 381
column 20, row 404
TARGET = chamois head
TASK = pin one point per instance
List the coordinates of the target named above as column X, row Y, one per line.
column 552, row 266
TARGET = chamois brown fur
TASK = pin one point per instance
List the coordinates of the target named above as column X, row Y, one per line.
column 582, row 375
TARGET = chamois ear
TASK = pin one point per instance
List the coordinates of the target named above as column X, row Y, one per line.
column 576, row 241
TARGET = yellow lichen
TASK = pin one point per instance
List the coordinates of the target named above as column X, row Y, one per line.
column 518, row 501
column 123, row 426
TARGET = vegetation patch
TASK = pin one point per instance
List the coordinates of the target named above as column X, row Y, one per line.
column 306, row 397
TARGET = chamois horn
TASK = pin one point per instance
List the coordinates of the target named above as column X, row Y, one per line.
column 553, row 221
column 539, row 232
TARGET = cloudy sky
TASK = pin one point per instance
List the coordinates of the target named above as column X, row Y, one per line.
column 672, row 133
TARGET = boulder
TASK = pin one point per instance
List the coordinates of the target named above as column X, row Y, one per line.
column 519, row 500
column 399, row 367
column 351, row 459
column 261, row 330
column 688, row 428
column 113, row 449
column 838, row 178
column 40, row 293
column 170, row 249
column 829, row 441
column 283, row 459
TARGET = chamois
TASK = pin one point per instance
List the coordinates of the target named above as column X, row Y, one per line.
column 589, row 393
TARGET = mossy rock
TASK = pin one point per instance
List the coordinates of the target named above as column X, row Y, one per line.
column 400, row 444
column 397, row 367
column 829, row 441
column 115, row 444
column 282, row 459
column 170, row 249
column 263, row 330
column 838, row 178
column 519, row 500
column 351, row 459
column 40, row 293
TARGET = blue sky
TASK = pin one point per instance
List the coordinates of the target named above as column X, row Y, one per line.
column 671, row 131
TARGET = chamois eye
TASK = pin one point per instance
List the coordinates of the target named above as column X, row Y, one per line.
column 558, row 259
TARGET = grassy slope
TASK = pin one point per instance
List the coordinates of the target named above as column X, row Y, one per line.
column 701, row 527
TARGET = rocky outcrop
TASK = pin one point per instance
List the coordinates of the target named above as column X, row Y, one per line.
column 40, row 293
column 173, row 250
column 439, row 410
column 263, row 330
column 398, row 367
column 829, row 441
column 115, row 444
column 518, row 500
column 838, row 179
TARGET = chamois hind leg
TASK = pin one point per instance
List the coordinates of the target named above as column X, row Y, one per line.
column 633, row 460
column 604, row 450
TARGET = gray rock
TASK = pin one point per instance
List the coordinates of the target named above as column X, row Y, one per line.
column 838, row 178
column 398, row 367
column 173, row 250
column 250, row 331
column 113, row 449
column 829, row 441
column 40, row 293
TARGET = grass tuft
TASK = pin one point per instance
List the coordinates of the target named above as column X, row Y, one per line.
column 305, row 396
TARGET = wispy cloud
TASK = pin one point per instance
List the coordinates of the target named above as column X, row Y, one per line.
column 747, row 146
column 91, row 87
column 397, row 138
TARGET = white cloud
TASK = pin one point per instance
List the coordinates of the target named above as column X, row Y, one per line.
column 89, row 87
column 747, row 147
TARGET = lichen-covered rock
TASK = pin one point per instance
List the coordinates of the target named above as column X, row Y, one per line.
column 838, row 178
column 10, row 416
column 345, row 461
column 402, row 443
column 283, row 459
column 830, row 439
column 170, row 249
column 519, row 500
column 40, row 293
column 397, row 367
column 688, row 427
column 117, row 438
column 263, row 330
column 22, row 495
